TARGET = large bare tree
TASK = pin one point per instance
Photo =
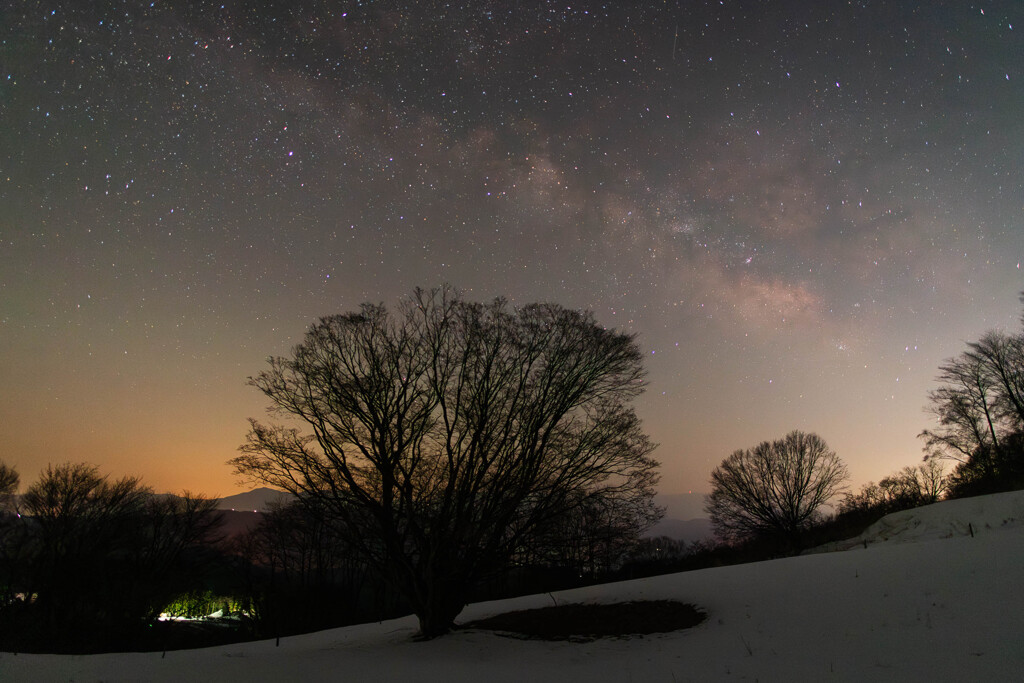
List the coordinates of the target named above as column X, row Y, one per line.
column 979, row 415
column 442, row 437
column 980, row 400
column 774, row 489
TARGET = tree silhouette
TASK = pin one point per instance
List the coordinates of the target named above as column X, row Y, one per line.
column 774, row 489
column 908, row 488
column 981, row 399
column 12, row 535
column 99, row 557
column 8, row 487
column 442, row 438
column 979, row 415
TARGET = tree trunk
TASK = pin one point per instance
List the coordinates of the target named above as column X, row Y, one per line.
column 438, row 617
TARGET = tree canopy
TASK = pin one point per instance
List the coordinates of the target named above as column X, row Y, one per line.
column 446, row 437
column 775, row 488
column 979, row 415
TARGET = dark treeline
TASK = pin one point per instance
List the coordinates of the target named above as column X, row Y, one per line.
column 89, row 564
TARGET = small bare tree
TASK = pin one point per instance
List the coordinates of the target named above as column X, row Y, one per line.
column 910, row 487
column 774, row 489
column 441, row 439
column 914, row 486
column 12, row 534
column 8, row 487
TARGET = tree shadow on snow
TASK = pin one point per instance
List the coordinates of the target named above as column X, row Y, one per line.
column 584, row 623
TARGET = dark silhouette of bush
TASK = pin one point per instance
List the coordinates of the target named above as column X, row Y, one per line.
column 990, row 470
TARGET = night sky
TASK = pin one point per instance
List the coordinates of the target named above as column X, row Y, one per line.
column 802, row 208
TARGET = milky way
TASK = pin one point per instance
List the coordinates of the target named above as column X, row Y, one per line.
column 802, row 208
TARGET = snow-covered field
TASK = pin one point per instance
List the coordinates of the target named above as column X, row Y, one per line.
column 924, row 601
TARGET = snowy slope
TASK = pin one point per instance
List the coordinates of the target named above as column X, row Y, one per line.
column 964, row 517
column 918, row 604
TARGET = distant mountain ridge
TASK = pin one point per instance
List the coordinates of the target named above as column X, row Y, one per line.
column 257, row 500
column 688, row 530
column 683, row 519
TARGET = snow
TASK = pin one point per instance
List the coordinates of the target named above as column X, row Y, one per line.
column 964, row 517
column 924, row 601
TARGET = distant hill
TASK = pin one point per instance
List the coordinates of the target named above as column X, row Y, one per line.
column 689, row 530
column 684, row 518
column 239, row 522
column 257, row 500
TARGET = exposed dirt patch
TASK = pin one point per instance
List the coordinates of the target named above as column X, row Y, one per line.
column 588, row 622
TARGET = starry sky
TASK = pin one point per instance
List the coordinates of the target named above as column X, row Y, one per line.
column 801, row 207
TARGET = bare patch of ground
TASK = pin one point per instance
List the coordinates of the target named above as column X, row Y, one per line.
column 589, row 622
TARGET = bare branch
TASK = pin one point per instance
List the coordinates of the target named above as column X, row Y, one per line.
column 775, row 488
column 447, row 435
